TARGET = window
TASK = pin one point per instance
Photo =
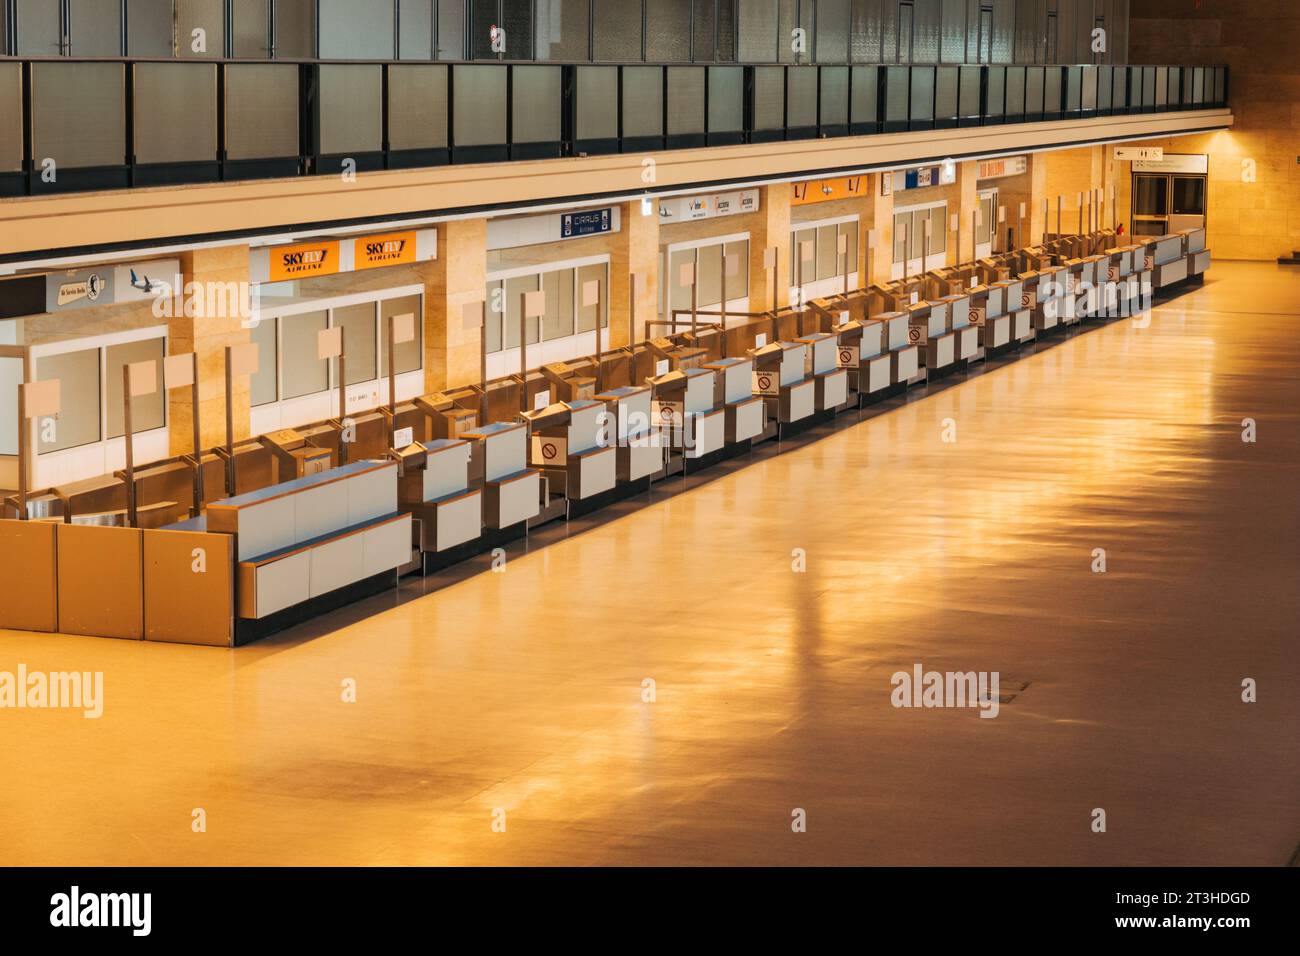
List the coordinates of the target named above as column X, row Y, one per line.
column 262, row 386
column 1151, row 195
column 451, row 29
column 587, row 314
column 80, row 393
column 668, row 30
column 250, row 27
column 558, row 320
column 909, row 228
column 147, row 411
column 410, row 355
column 798, row 260
column 833, row 31
column 904, row 33
column 302, row 372
column 149, row 23
column 514, row 292
column 758, row 31
column 1188, row 196
column 40, row 28
column 11, row 373
column 200, row 29
column 616, row 30
column 562, row 27
column 359, row 341
column 295, row 29
column 415, row 22
column 494, row 313
column 356, row 31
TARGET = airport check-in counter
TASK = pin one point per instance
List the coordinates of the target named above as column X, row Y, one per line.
column 304, row 539
column 830, row 382
column 677, row 356
column 779, row 377
column 904, row 357
column 1198, row 257
column 294, row 456
column 1170, row 263
column 929, row 331
column 988, row 313
column 967, row 335
column 499, row 465
column 1047, row 288
column 860, row 351
column 444, row 417
column 744, row 412
column 567, row 384
column 434, row 488
column 686, row 412
column 566, row 440
column 638, row 453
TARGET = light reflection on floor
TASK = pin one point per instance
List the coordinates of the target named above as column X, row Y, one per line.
column 523, row 690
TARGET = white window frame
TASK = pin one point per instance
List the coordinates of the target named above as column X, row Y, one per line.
column 361, row 396
column 818, row 288
column 914, row 265
column 505, row 361
column 735, row 304
column 107, row 455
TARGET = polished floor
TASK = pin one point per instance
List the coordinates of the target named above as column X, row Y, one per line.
column 522, row 691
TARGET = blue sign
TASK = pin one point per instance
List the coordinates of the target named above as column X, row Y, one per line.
column 589, row 223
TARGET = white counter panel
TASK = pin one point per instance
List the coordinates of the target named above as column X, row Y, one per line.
column 336, row 564
column 267, row 527
column 387, row 546
column 320, row 510
column 372, row 494
column 283, row 583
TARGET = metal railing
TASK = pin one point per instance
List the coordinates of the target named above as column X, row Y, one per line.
column 152, row 122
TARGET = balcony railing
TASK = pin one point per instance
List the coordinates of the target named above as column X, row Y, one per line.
column 72, row 125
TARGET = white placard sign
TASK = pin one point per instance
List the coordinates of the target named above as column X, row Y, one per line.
column 549, row 450
column 766, row 383
column 403, row 437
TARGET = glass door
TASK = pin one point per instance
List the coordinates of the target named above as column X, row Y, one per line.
column 1186, row 202
column 1150, row 204
column 984, row 231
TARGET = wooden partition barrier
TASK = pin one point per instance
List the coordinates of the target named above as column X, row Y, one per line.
column 28, row 575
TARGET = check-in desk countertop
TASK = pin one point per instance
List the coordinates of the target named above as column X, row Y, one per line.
column 511, row 490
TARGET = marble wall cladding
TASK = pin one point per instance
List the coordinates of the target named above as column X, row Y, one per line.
column 1256, row 40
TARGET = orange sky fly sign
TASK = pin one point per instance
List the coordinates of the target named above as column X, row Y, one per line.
column 304, row 260
column 823, row 190
column 372, row 252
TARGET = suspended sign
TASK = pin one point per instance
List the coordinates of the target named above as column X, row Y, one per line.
column 824, row 190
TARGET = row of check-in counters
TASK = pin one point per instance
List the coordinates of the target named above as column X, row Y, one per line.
column 297, row 548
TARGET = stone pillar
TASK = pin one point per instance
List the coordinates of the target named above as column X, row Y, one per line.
column 879, row 216
column 456, row 278
column 967, row 203
column 216, row 292
column 772, row 230
column 635, row 252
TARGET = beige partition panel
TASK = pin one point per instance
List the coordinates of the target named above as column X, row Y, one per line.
column 28, row 576
column 189, row 580
column 101, row 588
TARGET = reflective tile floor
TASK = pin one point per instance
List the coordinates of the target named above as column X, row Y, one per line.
column 522, row 691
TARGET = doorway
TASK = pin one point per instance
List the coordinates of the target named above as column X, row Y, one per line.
column 1167, row 202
